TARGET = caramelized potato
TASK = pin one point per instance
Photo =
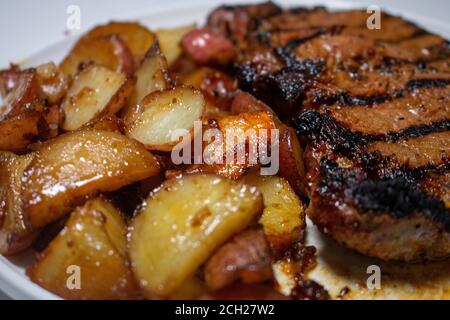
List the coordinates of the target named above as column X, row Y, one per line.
column 216, row 85
column 15, row 236
column 93, row 240
column 151, row 75
column 245, row 102
column 159, row 114
column 75, row 165
column 18, row 132
column 291, row 160
column 283, row 216
column 53, row 84
column 95, row 92
column 182, row 224
column 137, row 37
column 235, row 124
column 109, row 51
column 21, row 96
column 106, row 123
column 8, row 79
column 170, row 39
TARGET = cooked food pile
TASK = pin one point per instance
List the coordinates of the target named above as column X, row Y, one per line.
column 359, row 120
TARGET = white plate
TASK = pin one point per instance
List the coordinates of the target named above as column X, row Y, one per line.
column 13, row 281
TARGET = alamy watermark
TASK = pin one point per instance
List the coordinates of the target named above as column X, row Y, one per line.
column 374, row 20
column 73, row 21
column 231, row 147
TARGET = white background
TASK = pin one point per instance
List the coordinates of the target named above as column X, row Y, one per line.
column 29, row 26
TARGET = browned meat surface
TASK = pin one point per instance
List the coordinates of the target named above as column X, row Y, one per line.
column 246, row 258
column 372, row 109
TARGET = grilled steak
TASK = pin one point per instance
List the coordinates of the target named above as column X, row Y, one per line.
column 372, row 108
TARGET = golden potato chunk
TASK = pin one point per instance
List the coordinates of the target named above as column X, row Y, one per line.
column 15, row 236
column 154, row 121
column 95, row 92
column 283, row 218
column 152, row 75
column 182, row 224
column 109, row 51
column 18, row 132
column 75, row 165
column 92, row 245
column 137, row 37
column 169, row 41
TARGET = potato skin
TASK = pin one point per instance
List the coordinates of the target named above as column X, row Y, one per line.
column 93, row 239
column 15, row 235
column 182, row 224
column 109, row 51
column 292, row 167
column 137, row 37
column 73, row 166
column 18, row 132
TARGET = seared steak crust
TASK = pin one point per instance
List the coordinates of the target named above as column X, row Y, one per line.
column 372, row 108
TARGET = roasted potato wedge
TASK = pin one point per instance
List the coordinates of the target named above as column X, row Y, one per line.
column 237, row 125
column 151, row 75
column 18, row 132
column 180, row 226
column 217, row 86
column 283, row 218
column 8, row 79
column 292, row 167
column 24, row 115
column 159, row 114
column 109, row 51
column 106, row 123
column 53, row 84
column 92, row 242
column 137, row 37
column 24, row 93
column 67, row 169
column 95, row 92
column 15, row 236
column 170, row 39
column 245, row 102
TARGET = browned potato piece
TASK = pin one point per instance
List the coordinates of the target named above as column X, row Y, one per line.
column 107, row 123
column 257, row 121
column 159, row 114
column 15, row 236
column 151, row 75
column 283, row 221
column 53, row 84
column 95, row 92
column 217, row 86
column 291, row 160
column 8, row 79
column 283, row 218
column 75, row 165
column 169, row 41
column 18, row 132
column 137, row 37
column 109, row 51
column 182, row 224
column 94, row 240
column 24, row 118
column 21, row 96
